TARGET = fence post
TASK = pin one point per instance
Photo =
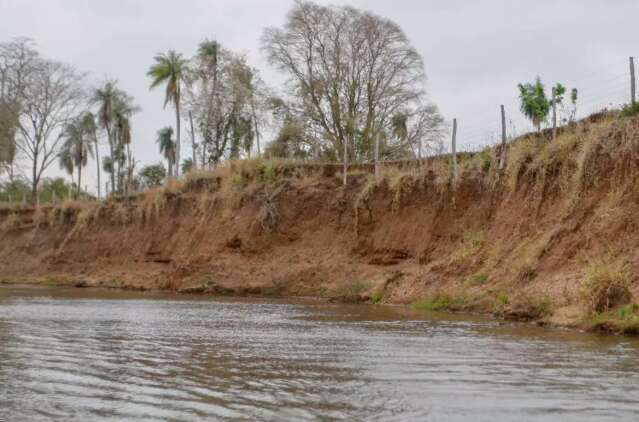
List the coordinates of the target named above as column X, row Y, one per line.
column 554, row 113
column 53, row 197
column 69, row 192
column 24, row 198
column 10, row 199
column 345, row 159
column 632, row 80
column 377, row 156
column 454, row 149
column 502, row 158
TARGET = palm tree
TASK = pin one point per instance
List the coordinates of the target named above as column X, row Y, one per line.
column 90, row 129
column 208, row 54
column 66, row 162
column 534, row 104
column 123, row 109
column 167, row 147
column 76, row 149
column 171, row 69
column 105, row 97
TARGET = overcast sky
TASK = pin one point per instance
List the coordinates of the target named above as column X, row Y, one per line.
column 475, row 52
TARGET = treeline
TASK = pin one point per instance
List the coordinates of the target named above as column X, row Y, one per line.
column 355, row 91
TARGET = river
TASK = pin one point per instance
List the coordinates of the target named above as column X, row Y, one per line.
column 98, row 355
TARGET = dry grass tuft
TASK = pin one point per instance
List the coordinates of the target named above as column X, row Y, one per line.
column 401, row 185
column 605, row 286
column 469, row 246
column 11, row 222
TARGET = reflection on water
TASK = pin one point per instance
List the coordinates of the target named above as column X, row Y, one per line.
column 99, row 355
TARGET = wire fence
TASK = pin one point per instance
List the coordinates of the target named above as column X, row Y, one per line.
column 610, row 87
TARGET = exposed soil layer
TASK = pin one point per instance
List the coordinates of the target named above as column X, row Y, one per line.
column 517, row 242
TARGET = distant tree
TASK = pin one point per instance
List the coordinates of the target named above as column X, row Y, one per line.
column 534, row 104
column 572, row 112
column 123, row 109
column 108, row 167
column 18, row 63
column 50, row 100
column 187, row 165
column 152, row 175
column 290, row 142
column 350, row 72
column 8, row 126
column 172, row 70
column 227, row 100
column 167, row 147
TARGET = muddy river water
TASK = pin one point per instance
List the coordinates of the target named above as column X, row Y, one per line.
column 94, row 355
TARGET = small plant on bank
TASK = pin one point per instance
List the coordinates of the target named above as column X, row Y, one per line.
column 479, row 279
column 376, row 298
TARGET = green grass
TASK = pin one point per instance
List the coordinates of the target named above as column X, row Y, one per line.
column 479, row 279
column 376, row 297
column 624, row 320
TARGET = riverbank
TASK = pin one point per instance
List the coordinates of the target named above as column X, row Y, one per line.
column 552, row 238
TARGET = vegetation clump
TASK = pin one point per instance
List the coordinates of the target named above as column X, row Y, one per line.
column 523, row 307
column 625, row 320
column 605, row 286
column 442, row 301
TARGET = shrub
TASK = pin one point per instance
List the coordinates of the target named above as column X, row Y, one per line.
column 605, row 286
column 630, row 110
column 376, row 297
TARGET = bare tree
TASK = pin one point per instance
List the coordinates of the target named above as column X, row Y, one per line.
column 51, row 97
column 350, row 72
column 17, row 58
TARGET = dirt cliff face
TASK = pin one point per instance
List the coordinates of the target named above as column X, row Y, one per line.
column 518, row 242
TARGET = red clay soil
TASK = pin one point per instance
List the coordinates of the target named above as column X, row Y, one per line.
column 512, row 242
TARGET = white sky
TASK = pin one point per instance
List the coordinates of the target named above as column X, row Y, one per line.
column 475, row 52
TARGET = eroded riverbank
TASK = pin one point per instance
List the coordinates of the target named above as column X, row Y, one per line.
column 552, row 238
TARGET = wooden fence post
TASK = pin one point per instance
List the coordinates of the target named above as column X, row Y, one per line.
column 502, row 157
column 345, row 160
column 632, row 80
column 454, row 149
column 377, row 156
column 554, row 113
